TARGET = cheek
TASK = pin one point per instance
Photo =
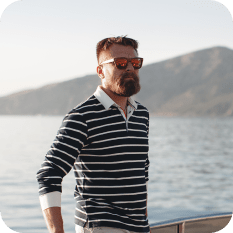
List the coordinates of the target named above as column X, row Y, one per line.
column 107, row 73
column 112, row 74
column 137, row 72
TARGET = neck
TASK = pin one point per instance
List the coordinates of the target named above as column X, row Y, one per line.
column 120, row 100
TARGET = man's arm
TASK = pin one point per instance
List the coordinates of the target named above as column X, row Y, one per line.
column 146, row 213
column 53, row 219
column 147, row 167
column 146, row 201
column 58, row 162
column 146, row 197
column 51, row 208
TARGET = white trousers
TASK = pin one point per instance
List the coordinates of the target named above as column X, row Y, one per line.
column 80, row 229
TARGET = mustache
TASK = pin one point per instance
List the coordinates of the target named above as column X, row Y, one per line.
column 128, row 75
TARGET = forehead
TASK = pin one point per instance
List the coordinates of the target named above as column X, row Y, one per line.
column 117, row 50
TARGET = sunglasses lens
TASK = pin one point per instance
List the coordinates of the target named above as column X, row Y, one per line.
column 137, row 63
column 121, row 63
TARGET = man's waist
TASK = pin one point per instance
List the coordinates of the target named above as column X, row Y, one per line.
column 116, row 203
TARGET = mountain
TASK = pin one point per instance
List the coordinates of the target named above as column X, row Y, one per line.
column 195, row 84
column 53, row 99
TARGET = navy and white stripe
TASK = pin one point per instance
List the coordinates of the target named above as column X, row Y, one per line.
column 109, row 156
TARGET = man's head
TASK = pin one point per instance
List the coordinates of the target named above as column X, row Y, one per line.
column 122, row 82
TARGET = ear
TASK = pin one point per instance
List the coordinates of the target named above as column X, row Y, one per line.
column 100, row 72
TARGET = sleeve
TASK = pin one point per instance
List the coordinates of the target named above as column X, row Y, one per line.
column 70, row 139
column 147, row 164
column 52, row 199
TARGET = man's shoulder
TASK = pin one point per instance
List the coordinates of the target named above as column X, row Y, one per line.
column 91, row 104
column 87, row 105
column 141, row 107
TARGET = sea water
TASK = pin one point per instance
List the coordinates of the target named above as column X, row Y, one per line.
column 191, row 169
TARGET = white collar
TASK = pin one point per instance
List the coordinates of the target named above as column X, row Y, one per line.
column 107, row 102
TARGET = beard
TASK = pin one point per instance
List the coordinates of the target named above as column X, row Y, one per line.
column 127, row 84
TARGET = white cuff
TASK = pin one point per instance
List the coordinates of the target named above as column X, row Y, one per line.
column 52, row 199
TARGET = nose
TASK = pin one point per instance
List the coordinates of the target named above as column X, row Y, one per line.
column 129, row 67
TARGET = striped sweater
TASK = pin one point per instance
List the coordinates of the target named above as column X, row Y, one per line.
column 109, row 156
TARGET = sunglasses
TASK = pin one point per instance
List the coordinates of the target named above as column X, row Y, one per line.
column 122, row 62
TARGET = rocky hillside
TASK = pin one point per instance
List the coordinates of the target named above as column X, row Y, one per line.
column 195, row 84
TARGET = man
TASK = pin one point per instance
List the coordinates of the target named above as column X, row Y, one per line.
column 105, row 140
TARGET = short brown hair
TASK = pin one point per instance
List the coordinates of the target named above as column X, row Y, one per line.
column 104, row 44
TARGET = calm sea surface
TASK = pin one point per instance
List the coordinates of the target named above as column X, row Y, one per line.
column 191, row 170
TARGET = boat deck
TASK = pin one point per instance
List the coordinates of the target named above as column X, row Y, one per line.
column 199, row 224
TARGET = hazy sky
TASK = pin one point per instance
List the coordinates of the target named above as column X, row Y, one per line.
column 46, row 41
